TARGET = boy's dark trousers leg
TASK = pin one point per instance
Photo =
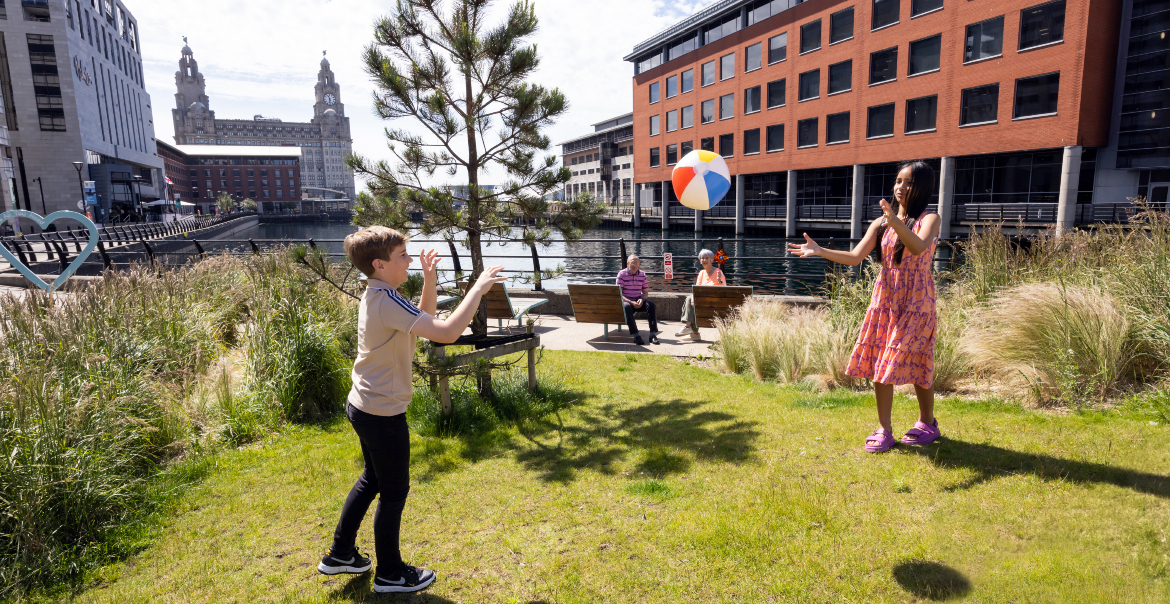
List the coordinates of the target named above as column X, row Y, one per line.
column 386, row 449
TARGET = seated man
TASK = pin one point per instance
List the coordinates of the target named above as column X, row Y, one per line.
column 636, row 297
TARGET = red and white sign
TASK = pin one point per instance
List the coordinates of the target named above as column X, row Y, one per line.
column 668, row 265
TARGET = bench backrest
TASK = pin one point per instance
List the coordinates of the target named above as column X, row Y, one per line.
column 597, row 303
column 499, row 306
column 713, row 301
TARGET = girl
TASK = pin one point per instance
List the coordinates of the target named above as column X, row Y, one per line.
column 896, row 345
column 710, row 275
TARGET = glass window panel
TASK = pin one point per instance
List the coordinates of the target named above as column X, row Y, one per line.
column 688, row 80
column 984, row 39
column 688, row 116
column 806, row 133
column 727, row 66
column 727, row 145
column 671, row 155
column 881, row 121
column 654, row 157
column 810, row 36
column 1036, row 95
column 917, row 7
column 776, row 137
column 707, row 144
column 751, row 141
column 654, row 125
column 841, row 25
column 924, row 54
column 751, row 99
column 885, row 12
column 654, row 92
column 672, row 120
column 837, row 128
column 753, row 56
column 682, row 48
column 810, row 85
column 707, row 111
column 684, row 148
column 776, row 93
column 979, row 104
column 671, row 86
column 708, row 74
column 777, row 48
column 1043, row 24
column 841, row 77
column 883, row 65
column 921, row 113
column 727, row 106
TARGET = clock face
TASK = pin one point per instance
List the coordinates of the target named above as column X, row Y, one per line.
column 330, row 99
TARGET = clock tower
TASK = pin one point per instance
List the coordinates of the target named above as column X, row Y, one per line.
column 328, row 92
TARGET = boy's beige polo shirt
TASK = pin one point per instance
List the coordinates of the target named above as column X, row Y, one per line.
column 382, row 373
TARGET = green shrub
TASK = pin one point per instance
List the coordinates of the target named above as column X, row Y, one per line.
column 511, row 404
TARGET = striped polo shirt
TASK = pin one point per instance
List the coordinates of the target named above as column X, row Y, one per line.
column 631, row 283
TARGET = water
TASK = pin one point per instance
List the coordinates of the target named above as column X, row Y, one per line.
column 756, row 263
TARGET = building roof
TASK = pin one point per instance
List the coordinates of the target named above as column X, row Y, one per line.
column 603, row 130
column 688, row 25
column 239, row 150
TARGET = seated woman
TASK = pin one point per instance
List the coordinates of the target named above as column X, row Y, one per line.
column 710, row 275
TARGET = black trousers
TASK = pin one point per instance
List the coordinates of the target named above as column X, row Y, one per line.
column 630, row 310
column 386, row 449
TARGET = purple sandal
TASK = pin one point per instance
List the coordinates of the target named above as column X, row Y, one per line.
column 922, row 434
column 879, row 441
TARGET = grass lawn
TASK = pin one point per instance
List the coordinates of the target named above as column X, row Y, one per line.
column 670, row 483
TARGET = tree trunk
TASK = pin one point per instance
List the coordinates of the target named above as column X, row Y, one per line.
column 479, row 323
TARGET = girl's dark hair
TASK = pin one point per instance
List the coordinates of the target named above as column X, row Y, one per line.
column 922, row 189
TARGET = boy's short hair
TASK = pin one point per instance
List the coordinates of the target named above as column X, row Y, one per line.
column 372, row 243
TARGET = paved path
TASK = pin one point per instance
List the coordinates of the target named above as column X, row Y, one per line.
column 563, row 333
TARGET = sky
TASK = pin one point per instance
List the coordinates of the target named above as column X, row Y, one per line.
column 262, row 57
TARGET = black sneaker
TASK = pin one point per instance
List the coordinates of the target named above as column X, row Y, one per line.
column 654, row 339
column 639, row 341
column 353, row 564
column 409, row 579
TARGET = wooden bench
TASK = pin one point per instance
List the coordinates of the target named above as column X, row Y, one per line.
column 712, row 301
column 501, row 306
column 598, row 304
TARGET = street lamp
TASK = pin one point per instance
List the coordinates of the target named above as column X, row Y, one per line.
column 44, row 211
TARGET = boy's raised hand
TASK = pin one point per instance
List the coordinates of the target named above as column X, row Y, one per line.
column 488, row 278
column 429, row 259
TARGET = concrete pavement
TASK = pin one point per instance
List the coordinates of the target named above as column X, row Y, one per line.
column 561, row 332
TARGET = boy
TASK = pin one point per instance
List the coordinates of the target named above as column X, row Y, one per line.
column 382, row 387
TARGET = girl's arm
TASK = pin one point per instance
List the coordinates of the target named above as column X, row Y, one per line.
column 853, row 257
column 914, row 244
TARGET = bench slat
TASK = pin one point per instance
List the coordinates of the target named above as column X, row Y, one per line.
column 596, row 303
column 712, row 301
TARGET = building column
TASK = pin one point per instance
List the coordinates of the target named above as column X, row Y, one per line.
column 857, row 213
column 946, row 197
column 638, row 207
column 666, row 205
column 790, row 201
column 698, row 221
column 1070, row 178
column 740, row 206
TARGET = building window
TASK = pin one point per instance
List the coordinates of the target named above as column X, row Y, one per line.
column 776, row 93
column 727, row 106
column 810, row 85
column 775, row 136
column 984, row 40
column 753, row 57
column 921, row 7
column 671, row 155
column 707, row 111
column 654, row 125
column 728, row 26
column 751, row 141
column 1009, row 178
column 883, row 66
column 708, row 73
column 688, row 116
column 924, row 55
column 727, row 66
column 980, row 105
column 1043, row 24
column 688, row 80
column 682, row 48
column 762, row 9
column 837, row 128
column 46, row 82
column 727, row 145
column 751, row 99
column 777, row 48
column 920, row 114
column 672, row 120
column 653, row 92
column 841, row 26
column 671, row 87
column 881, row 121
column 280, row 193
column 841, row 77
column 810, row 36
column 885, row 13
column 654, row 157
column 650, row 62
column 806, row 133
column 1036, row 96
column 707, row 144
column 684, row 148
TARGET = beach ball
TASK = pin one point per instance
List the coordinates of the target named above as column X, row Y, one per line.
column 701, row 180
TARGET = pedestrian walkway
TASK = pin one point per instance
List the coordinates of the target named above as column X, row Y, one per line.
column 559, row 332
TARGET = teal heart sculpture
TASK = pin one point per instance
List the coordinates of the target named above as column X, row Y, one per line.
column 45, row 221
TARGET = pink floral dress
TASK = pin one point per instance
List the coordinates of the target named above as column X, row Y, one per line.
column 896, row 344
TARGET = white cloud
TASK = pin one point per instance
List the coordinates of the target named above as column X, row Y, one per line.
column 262, row 56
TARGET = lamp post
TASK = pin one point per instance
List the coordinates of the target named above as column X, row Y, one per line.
column 44, row 210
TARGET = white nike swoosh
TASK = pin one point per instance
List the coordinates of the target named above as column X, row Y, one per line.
column 398, row 582
column 350, row 561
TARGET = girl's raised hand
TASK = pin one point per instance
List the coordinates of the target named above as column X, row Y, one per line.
column 429, row 259
column 891, row 213
column 806, row 249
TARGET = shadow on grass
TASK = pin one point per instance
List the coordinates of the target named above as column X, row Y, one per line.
column 931, row 580
column 361, row 589
column 660, row 429
column 989, row 461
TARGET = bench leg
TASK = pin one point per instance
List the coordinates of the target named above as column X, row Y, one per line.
column 606, row 327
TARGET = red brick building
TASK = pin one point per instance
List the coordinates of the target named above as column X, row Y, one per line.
column 813, row 103
column 271, row 176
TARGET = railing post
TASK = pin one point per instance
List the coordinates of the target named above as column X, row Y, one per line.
column 622, row 241
column 199, row 248
column 721, row 267
column 256, row 249
column 62, row 256
column 455, row 260
column 535, row 266
column 149, row 251
column 106, row 262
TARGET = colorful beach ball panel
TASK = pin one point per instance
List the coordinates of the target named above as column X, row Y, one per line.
column 701, row 180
